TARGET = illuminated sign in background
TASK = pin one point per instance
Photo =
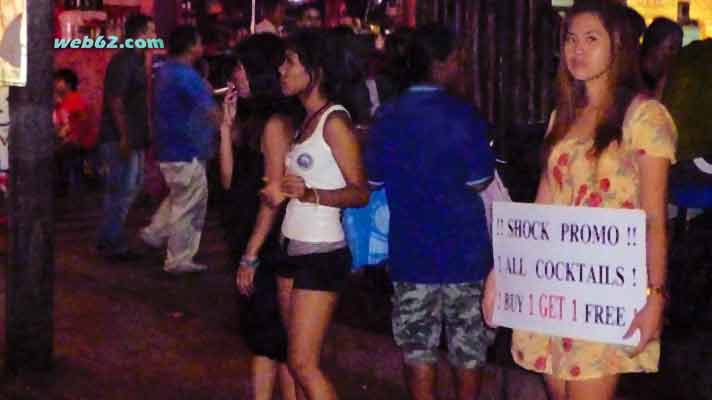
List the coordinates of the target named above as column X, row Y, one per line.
column 699, row 10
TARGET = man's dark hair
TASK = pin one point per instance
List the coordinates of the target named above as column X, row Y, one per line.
column 67, row 75
column 428, row 44
column 136, row 24
column 182, row 39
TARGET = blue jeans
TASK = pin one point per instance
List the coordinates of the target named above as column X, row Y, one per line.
column 70, row 166
column 123, row 182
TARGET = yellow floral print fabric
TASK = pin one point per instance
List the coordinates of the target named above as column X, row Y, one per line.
column 577, row 178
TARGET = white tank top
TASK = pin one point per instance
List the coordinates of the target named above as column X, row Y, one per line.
column 314, row 161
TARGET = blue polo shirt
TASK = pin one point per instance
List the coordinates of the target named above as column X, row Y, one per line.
column 426, row 147
column 182, row 127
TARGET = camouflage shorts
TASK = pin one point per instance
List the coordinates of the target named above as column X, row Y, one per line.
column 420, row 311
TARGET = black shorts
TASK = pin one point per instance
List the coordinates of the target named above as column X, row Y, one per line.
column 318, row 271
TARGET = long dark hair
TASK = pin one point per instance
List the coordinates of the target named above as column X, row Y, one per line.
column 261, row 55
column 624, row 77
column 660, row 29
column 657, row 32
column 396, row 53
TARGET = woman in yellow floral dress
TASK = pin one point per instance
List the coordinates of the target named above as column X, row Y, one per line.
column 607, row 146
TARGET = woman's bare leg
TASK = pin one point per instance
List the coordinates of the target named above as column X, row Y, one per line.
column 284, row 296
column 264, row 377
column 287, row 386
column 309, row 319
column 556, row 388
column 593, row 389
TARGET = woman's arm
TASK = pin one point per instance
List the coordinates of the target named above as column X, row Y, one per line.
column 225, row 154
column 339, row 135
column 276, row 141
column 653, row 196
column 226, row 157
column 653, row 200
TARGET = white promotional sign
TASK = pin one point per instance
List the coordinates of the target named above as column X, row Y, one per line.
column 576, row 272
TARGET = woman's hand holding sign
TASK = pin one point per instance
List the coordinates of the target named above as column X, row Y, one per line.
column 649, row 321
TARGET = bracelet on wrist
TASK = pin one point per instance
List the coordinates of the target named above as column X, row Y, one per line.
column 305, row 196
column 316, row 196
column 250, row 263
column 657, row 291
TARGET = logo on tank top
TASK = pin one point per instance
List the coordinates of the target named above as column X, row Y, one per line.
column 305, row 161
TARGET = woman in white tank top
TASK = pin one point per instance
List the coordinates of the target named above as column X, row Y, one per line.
column 324, row 174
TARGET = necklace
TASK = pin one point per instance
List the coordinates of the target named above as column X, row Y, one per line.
column 310, row 119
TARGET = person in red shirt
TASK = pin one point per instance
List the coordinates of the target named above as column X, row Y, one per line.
column 71, row 112
column 75, row 133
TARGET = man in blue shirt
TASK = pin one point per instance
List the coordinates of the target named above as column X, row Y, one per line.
column 430, row 151
column 185, row 123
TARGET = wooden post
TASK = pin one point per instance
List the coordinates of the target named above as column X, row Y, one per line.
column 548, row 36
column 30, row 272
column 532, row 57
column 478, row 49
column 519, row 87
column 504, row 21
column 512, row 55
column 490, row 59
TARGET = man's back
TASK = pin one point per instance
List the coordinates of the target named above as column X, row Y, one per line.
column 183, row 130
column 426, row 147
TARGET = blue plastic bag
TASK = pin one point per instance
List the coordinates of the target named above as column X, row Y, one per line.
column 366, row 230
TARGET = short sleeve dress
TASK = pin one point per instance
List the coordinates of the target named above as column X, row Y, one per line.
column 576, row 178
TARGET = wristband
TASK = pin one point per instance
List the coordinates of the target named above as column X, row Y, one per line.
column 250, row 263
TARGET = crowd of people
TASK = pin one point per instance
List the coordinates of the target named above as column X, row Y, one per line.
column 288, row 149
